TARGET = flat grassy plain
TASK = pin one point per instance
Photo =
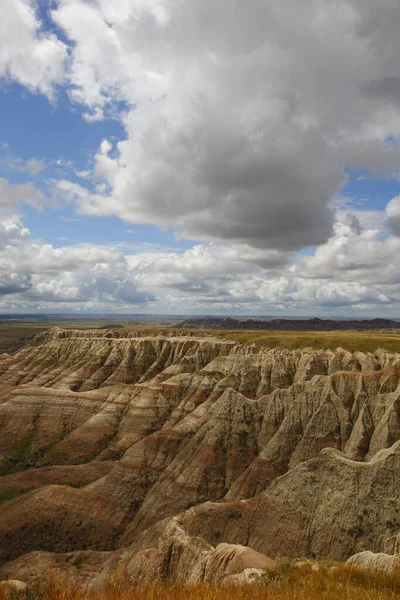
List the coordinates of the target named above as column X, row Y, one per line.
column 362, row 341
column 15, row 334
column 290, row 583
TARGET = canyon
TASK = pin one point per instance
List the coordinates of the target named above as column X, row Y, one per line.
column 191, row 457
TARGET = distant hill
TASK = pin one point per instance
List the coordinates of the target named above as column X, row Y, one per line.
column 315, row 324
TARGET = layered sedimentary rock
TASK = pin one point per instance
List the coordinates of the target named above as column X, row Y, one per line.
column 118, row 449
column 165, row 552
column 378, row 562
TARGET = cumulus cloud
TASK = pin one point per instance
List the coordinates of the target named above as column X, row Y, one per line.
column 350, row 255
column 14, row 283
column 29, row 55
column 12, row 231
column 238, row 125
column 80, row 273
column 241, row 120
column 353, row 269
column 100, row 284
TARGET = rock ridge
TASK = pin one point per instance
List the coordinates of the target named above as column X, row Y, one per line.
column 128, row 449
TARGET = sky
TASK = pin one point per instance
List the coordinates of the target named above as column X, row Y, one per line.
column 200, row 157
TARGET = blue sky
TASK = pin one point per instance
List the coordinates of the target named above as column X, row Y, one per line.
column 56, row 133
column 147, row 168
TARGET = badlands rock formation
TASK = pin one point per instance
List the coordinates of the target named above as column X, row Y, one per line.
column 192, row 458
column 380, row 562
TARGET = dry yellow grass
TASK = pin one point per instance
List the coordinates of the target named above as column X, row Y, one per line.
column 13, row 335
column 291, row 583
column 362, row 341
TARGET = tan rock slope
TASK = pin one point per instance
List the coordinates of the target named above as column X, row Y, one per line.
column 192, row 457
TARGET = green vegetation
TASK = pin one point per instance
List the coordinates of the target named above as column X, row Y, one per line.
column 22, row 457
column 6, row 495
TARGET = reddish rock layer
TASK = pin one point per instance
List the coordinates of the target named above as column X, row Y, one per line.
column 105, row 437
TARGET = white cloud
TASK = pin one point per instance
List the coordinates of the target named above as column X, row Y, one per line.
column 12, row 231
column 11, row 195
column 37, row 272
column 97, row 114
column 353, row 270
column 87, row 203
column 29, row 55
column 240, row 117
column 105, row 284
column 348, row 256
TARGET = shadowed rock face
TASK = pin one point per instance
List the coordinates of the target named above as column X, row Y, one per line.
column 179, row 455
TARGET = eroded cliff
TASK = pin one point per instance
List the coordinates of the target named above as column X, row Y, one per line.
column 169, row 455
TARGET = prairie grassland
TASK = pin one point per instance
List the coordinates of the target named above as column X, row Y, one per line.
column 14, row 335
column 292, row 583
column 362, row 341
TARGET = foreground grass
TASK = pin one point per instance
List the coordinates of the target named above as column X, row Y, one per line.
column 292, row 583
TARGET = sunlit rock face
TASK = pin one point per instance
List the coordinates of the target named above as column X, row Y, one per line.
column 191, row 455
